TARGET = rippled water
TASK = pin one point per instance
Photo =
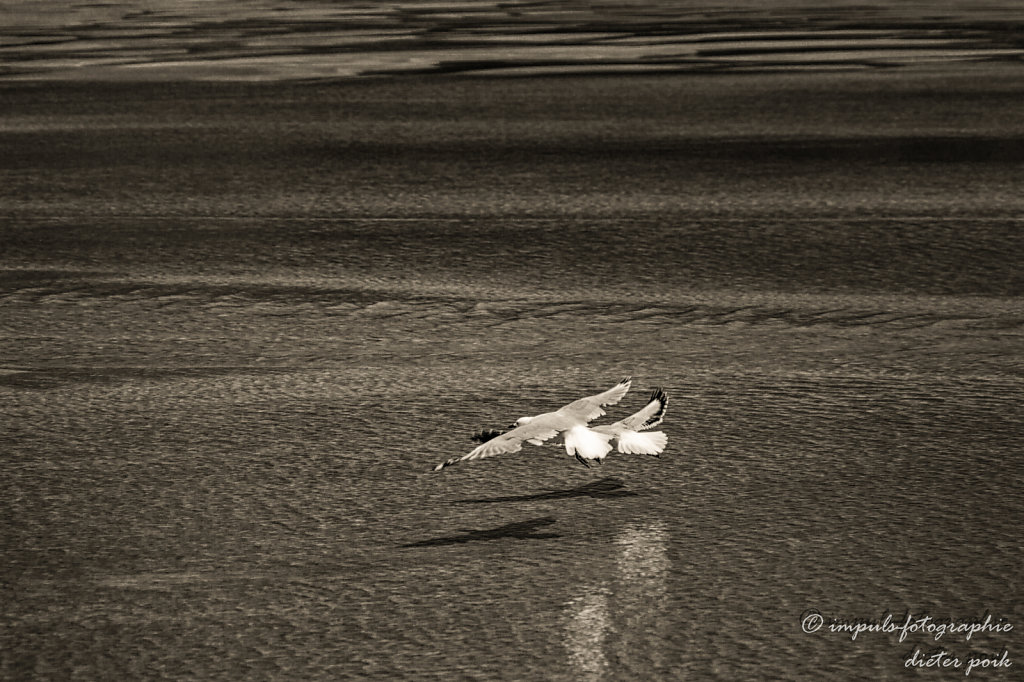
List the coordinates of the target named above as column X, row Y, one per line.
column 237, row 332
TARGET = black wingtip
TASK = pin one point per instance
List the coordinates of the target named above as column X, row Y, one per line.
column 485, row 435
column 626, row 380
column 657, row 395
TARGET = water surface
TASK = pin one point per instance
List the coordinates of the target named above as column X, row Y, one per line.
column 239, row 325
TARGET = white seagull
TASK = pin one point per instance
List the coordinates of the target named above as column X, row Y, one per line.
column 626, row 434
column 580, row 441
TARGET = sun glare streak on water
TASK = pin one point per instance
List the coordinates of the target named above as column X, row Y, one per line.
column 622, row 617
column 586, row 634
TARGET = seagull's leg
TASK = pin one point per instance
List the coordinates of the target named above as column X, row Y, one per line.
column 582, row 461
column 600, row 460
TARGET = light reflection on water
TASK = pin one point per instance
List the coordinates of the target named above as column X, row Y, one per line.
column 586, row 632
column 628, row 605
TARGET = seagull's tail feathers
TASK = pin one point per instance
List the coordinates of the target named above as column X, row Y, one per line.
column 642, row 443
column 587, row 443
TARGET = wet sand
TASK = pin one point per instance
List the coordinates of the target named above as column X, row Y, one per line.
column 241, row 321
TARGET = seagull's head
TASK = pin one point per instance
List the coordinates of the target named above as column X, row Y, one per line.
column 521, row 421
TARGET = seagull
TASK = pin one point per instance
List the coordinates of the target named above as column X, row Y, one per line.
column 626, row 436
column 571, row 420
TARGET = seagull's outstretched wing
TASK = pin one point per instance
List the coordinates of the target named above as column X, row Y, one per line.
column 537, row 430
column 647, row 417
column 587, row 409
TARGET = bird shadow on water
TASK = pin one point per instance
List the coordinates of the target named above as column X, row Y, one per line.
column 605, row 488
column 609, row 487
column 522, row 530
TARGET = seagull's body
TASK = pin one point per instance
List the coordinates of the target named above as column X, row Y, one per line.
column 631, row 435
column 570, row 422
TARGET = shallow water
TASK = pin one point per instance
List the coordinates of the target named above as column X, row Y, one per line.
column 237, row 332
